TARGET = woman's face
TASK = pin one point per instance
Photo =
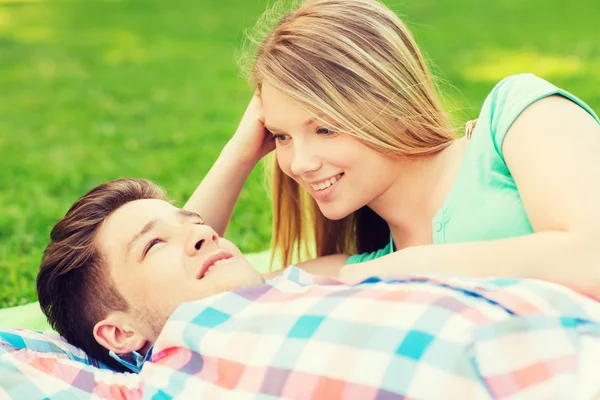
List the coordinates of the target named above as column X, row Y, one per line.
column 341, row 173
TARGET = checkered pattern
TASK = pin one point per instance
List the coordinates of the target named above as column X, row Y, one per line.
column 50, row 343
column 41, row 366
column 429, row 337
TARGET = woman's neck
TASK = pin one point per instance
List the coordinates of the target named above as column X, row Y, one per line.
column 422, row 185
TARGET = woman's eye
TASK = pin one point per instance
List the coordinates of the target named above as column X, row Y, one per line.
column 281, row 138
column 326, row 131
column 150, row 245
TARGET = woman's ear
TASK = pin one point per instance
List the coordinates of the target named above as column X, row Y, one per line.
column 117, row 333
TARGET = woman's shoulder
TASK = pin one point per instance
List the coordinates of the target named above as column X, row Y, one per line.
column 510, row 97
column 515, row 91
column 519, row 81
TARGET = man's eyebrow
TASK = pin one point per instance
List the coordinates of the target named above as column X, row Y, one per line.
column 306, row 123
column 185, row 214
column 147, row 228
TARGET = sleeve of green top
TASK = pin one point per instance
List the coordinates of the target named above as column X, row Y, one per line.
column 359, row 258
column 513, row 95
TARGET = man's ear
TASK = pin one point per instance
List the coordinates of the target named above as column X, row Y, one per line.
column 116, row 333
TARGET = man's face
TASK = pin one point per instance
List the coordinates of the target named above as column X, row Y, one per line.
column 160, row 256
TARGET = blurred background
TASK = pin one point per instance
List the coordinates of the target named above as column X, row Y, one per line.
column 95, row 90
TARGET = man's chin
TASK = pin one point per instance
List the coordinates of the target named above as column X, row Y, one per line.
column 235, row 274
column 254, row 278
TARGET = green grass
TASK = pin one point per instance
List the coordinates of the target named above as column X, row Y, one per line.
column 95, row 90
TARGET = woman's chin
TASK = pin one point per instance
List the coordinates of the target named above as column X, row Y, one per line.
column 334, row 213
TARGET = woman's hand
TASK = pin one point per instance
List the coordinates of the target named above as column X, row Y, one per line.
column 252, row 141
column 215, row 198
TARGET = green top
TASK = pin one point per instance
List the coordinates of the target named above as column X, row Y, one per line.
column 484, row 202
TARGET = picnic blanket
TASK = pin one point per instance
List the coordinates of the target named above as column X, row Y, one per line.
column 301, row 337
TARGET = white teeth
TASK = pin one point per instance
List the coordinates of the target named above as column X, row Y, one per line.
column 324, row 184
column 219, row 261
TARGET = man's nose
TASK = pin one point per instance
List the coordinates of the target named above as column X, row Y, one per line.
column 304, row 160
column 200, row 237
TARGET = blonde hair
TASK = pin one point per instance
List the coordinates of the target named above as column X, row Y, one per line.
column 357, row 63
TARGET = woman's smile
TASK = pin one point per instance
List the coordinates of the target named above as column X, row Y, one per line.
column 322, row 189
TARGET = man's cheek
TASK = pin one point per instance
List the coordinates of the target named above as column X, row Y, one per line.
column 228, row 285
column 229, row 246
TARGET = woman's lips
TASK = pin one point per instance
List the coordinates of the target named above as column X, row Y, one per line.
column 324, row 193
column 210, row 261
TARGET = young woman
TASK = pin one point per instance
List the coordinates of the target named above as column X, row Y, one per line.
column 367, row 163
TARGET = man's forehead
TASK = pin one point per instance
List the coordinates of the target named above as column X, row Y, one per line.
column 128, row 219
column 141, row 210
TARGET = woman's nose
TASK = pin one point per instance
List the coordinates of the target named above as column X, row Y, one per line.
column 304, row 160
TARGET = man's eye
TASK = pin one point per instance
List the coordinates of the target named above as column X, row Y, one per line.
column 151, row 245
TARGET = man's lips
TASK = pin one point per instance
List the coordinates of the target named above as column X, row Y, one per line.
column 211, row 259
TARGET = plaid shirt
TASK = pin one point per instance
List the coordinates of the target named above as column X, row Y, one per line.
column 301, row 337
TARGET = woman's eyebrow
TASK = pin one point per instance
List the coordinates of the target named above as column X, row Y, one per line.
column 272, row 128
column 306, row 123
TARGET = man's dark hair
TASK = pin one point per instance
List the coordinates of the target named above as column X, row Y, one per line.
column 74, row 286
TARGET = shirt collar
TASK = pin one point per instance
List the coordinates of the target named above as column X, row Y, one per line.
column 134, row 361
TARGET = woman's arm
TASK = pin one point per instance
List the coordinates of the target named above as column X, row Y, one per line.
column 325, row 265
column 562, row 257
column 215, row 198
column 553, row 153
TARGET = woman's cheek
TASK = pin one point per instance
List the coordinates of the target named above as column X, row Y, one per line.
column 284, row 159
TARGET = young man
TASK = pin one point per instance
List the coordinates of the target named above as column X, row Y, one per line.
column 146, row 287
column 120, row 262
